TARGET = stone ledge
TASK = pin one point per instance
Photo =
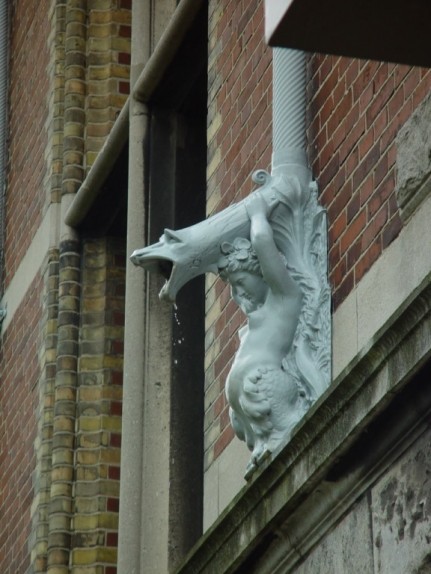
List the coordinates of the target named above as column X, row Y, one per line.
column 292, row 502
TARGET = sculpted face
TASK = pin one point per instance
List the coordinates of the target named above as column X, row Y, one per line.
column 249, row 291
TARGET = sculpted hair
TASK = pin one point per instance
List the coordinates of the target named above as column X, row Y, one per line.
column 238, row 256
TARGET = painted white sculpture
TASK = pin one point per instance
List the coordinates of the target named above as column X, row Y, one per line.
column 265, row 402
column 271, row 248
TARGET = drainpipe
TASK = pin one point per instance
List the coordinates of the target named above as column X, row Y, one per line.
column 289, row 104
column 4, row 60
column 132, row 451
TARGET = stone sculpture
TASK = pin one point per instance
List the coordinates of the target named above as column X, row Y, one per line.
column 271, row 248
column 265, row 403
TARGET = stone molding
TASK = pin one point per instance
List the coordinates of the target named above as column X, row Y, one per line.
column 34, row 260
column 291, row 503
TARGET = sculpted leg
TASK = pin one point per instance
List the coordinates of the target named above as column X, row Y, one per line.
column 273, row 405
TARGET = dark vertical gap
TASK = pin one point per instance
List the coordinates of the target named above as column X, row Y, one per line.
column 188, row 333
column 161, row 182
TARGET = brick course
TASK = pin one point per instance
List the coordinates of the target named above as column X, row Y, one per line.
column 45, row 415
column 108, row 61
column 99, row 400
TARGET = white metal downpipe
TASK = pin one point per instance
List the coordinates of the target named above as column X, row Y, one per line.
column 289, row 79
column 289, row 106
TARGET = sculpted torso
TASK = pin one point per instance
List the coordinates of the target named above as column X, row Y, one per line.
column 264, row 342
column 264, row 402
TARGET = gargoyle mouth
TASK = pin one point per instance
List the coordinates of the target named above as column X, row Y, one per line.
column 159, row 264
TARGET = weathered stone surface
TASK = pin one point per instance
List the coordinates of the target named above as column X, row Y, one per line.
column 402, row 513
column 414, row 160
column 347, row 549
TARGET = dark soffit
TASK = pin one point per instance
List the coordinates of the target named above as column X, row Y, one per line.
column 389, row 30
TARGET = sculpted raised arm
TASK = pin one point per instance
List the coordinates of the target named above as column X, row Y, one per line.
column 262, row 238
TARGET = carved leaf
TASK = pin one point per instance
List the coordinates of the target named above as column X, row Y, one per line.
column 299, row 226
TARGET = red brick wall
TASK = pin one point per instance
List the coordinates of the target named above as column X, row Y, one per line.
column 27, row 116
column 357, row 108
column 19, row 399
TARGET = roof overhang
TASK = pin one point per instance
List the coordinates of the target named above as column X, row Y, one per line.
column 388, row 30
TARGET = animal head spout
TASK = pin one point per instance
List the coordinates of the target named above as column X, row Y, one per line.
column 184, row 254
column 176, row 256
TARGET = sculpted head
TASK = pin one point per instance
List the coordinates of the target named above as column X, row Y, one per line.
column 240, row 267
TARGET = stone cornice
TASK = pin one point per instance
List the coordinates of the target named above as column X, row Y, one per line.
column 292, row 502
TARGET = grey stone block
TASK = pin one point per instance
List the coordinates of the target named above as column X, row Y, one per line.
column 414, row 160
column 345, row 550
column 402, row 513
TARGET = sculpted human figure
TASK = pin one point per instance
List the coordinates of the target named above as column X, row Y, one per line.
column 265, row 402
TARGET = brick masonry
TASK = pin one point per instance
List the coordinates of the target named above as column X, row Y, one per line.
column 59, row 460
column 26, row 195
column 19, row 403
column 38, row 543
column 356, row 110
column 98, row 53
column 99, row 401
column 76, row 424
column 108, row 64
